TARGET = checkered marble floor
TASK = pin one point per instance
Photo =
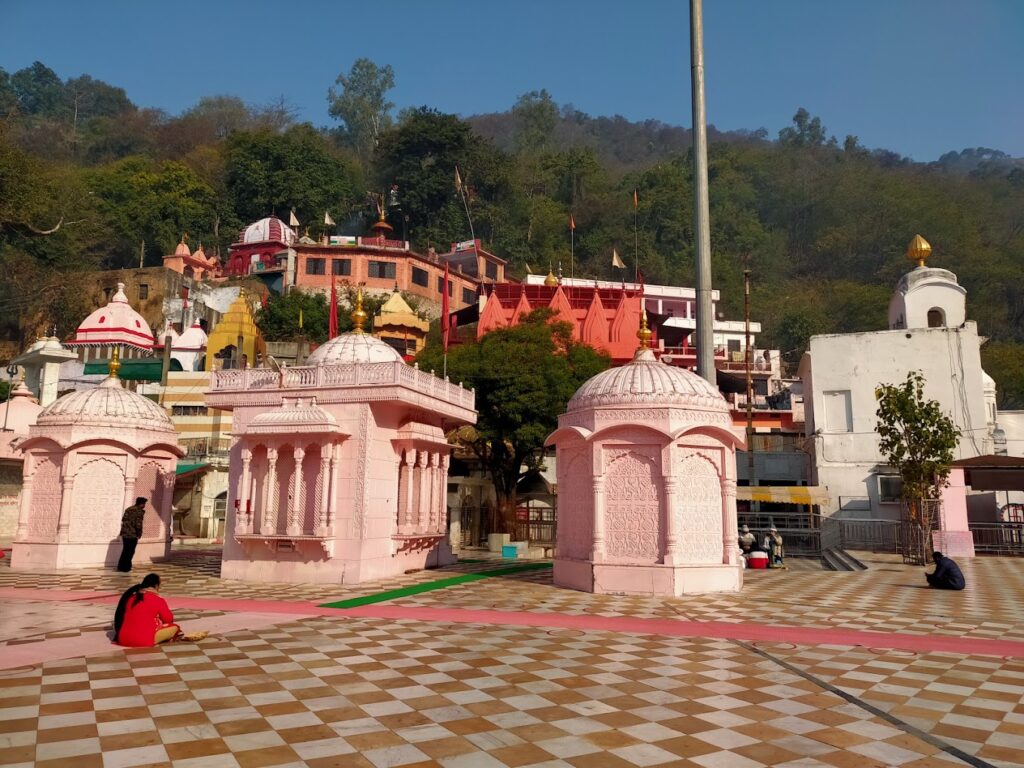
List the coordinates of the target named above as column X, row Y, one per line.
column 349, row 691
column 324, row 692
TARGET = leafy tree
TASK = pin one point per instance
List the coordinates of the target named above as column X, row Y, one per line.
column 40, row 91
column 536, row 116
column 523, row 377
column 279, row 320
column 266, row 172
column 361, row 105
column 918, row 440
column 1004, row 361
column 807, row 131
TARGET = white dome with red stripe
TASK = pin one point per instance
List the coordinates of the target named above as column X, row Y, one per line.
column 116, row 323
column 270, row 229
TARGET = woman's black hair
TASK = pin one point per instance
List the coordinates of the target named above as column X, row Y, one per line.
column 151, row 580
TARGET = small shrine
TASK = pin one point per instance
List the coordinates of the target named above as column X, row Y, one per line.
column 114, row 326
column 647, row 483
column 86, row 459
column 339, row 468
column 235, row 342
column 397, row 325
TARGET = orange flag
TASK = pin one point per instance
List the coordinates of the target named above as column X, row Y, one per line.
column 572, row 223
column 636, row 199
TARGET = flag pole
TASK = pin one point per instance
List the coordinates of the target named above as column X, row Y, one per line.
column 572, row 252
column 460, row 188
column 636, row 237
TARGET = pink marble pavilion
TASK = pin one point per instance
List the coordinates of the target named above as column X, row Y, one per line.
column 646, row 457
column 87, row 457
column 339, row 469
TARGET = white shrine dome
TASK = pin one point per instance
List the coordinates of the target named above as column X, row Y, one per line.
column 270, row 229
column 295, row 415
column 646, row 381
column 108, row 405
column 192, row 339
column 354, row 348
column 116, row 323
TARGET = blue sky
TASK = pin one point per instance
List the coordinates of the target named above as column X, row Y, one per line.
column 919, row 77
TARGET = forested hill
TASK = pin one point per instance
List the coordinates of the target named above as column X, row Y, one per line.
column 89, row 180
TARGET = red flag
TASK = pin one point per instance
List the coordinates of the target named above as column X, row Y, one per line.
column 332, row 329
column 445, row 322
column 263, row 299
column 572, row 223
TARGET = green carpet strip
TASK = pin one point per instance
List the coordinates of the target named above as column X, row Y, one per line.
column 430, row 586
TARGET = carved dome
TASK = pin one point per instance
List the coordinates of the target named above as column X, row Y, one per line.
column 646, row 381
column 294, row 415
column 354, row 348
column 108, row 405
column 116, row 323
column 270, row 229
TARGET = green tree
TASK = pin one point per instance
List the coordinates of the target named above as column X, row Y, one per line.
column 40, row 91
column 806, row 131
column 361, row 105
column 279, row 320
column 918, row 440
column 523, row 377
column 1004, row 361
column 536, row 116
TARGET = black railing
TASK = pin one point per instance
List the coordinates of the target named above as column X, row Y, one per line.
column 998, row 538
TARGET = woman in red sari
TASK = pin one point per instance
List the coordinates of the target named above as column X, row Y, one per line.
column 142, row 618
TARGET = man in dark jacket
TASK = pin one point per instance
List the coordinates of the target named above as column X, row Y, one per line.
column 131, row 532
column 947, row 573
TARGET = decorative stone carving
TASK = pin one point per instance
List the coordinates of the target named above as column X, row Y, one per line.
column 632, row 505
column 700, row 493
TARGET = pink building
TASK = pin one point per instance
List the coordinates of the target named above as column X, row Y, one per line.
column 17, row 415
column 197, row 266
column 339, row 469
column 647, row 484
column 88, row 456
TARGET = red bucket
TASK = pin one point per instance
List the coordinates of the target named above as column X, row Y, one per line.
column 757, row 560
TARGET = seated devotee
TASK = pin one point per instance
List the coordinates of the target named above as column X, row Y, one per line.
column 947, row 574
column 747, row 540
column 143, row 619
column 773, row 546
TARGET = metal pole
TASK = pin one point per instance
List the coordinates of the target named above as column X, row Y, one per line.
column 701, row 228
column 12, row 371
column 751, row 473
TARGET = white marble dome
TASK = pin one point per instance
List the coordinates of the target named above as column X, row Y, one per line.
column 108, row 405
column 193, row 339
column 353, row 348
column 116, row 323
column 645, row 381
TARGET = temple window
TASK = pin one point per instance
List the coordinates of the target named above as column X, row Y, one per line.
column 468, row 296
column 382, row 270
column 316, row 266
column 440, row 286
column 143, row 291
column 341, row 267
column 420, row 277
column 936, row 318
column 491, row 270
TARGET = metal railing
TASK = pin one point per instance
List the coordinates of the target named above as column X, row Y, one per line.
column 873, row 535
column 998, row 538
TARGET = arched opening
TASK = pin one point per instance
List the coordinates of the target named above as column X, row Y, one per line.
column 936, row 318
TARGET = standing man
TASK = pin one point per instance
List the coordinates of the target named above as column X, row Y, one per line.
column 131, row 532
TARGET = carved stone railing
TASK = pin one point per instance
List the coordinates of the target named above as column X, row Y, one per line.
column 343, row 375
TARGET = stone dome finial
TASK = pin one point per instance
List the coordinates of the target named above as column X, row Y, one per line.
column 919, row 250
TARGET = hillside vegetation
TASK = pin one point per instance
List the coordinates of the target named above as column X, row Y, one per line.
column 88, row 180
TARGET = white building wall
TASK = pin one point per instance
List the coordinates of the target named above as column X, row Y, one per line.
column 846, row 368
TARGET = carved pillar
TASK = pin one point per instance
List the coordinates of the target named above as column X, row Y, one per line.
column 295, row 513
column 423, row 488
column 24, row 511
column 325, row 489
column 66, row 487
column 332, row 498
column 410, row 491
column 243, row 519
column 435, row 495
column 598, row 550
column 730, row 542
column 129, row 487
column 672, row 542
column 268, row 520
column 442, row 496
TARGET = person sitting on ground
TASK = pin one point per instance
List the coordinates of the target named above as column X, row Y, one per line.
column 947, row 574
column 143, row 619
column 747, row 540
column 773, row 546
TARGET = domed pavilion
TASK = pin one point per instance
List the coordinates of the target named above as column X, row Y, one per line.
column 647, row 483
column 339, row 468
column 114, row 326
column 86, row 458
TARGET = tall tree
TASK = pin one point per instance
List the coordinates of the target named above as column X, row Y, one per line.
column 361, row 105
column 523, row 377
column 918, row 440
column 536, row 116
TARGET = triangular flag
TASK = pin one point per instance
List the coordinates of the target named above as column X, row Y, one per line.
column 636, row 199
column 528, row 270
column 616, row 261
column 292, row 221
column 458, row 181
column 572, row 223
column 445, row 320
column 328, row 220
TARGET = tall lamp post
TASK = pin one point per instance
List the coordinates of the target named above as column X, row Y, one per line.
column 12, row 371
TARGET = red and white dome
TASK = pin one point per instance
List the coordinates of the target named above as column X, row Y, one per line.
column 116, row 323
column 270, row 229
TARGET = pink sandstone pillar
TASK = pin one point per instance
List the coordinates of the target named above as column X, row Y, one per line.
column 423, row 491
column 66, row 490
column 598, row 548
column 672, row 556
column 730, row 534
column 294, row 527
column 268, row 521
column 409, row 483
column 335, row 451
column 242, row 519
column 26, row 505
column 954, row 537
column 325, row 483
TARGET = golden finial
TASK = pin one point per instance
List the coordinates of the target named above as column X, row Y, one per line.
column 115, row 363
column 359, row 315
column 645, row 333
column 550, row 281
column 919, row 250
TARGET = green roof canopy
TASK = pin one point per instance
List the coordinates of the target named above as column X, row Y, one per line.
column 183, row 470
column 134, row 369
